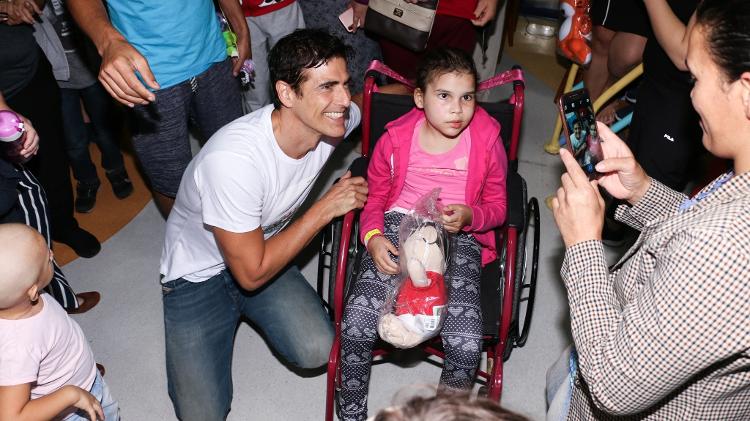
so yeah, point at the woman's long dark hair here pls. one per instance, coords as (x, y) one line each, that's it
(726, 24)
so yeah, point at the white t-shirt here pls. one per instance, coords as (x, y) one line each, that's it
(239, 181)
(47, 349)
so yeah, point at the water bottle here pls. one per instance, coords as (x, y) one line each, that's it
(12, 136)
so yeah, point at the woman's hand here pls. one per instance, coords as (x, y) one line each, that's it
(358, 21)
(457, 216)
(22, 11)
(31, 144)
(378, 247)
(578, 207)
(622, 176)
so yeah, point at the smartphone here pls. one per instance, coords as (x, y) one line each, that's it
(581, 134)
(347, 19)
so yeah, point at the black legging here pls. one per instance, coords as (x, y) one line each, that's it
(39, 101)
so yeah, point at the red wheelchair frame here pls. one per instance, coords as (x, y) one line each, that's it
(509, 333)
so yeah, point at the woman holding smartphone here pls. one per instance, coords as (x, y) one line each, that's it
(665, 332)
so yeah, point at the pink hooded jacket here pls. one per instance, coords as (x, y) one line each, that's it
(485, 186)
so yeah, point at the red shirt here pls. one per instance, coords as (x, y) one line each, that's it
(262, 7)
(459, 8)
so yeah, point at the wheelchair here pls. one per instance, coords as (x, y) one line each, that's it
(508, 284)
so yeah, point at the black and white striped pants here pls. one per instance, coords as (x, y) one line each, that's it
(33, 203)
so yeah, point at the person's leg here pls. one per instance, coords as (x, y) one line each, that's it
(216, 98)
(559, 386)
(76, 138)
(596, 77)
(199, 324)
(265, 32)
(160, 139)
(99, 107)
(625, 52)
(462, 331)
(51, 165)
(292, 318)
(359, 328)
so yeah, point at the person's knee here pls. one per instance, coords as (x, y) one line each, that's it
(626, 52)
(313, 352)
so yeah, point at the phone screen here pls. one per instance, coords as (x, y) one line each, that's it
(580, 129)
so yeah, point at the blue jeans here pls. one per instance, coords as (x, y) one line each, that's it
(200, 320)
(560, 380)
(160, 129)
(98, 105)
(100, 390)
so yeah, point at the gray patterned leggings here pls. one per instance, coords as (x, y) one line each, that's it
(461, 334)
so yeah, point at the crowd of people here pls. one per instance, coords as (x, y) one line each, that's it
(659, 335)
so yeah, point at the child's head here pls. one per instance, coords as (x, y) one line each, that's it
(25, 264)
(446, 88)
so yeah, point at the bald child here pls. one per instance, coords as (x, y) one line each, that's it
(47, 369)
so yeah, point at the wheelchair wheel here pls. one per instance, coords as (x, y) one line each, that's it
(525, 279)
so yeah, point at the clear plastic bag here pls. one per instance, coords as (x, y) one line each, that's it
(416, 311)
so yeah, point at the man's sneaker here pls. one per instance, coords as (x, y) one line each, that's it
(121, 185)
(86, 196)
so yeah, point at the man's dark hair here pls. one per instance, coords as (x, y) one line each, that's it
(448, 407)
(726, 25)
(300, 50)
(442, 61)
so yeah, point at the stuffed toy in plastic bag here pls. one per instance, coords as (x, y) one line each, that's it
(575, 31)
(417, 311)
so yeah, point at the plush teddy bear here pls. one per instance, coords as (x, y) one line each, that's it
(420, 304)
(575, 31)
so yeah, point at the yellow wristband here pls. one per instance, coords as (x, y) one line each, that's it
(371, 234)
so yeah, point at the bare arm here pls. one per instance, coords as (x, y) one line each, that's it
(236, 18)
(16, 405)
(120, 61)
(254, 261)
(670, 32)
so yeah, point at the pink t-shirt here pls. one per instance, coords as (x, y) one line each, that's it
(426, 171)
(47, 349)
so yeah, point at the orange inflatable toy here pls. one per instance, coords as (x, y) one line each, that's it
(574, 37)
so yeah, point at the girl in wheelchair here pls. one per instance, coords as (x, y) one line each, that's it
(445, 141)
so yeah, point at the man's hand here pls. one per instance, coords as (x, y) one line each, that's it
(244, 51)
(484, 12)
(379, 247)
(347, 194)
(578, 207)
(457, 216)
(622, 176)
(22, 11)
(86, 402)
(120, 62)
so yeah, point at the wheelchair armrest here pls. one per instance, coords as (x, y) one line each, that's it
(516, 188)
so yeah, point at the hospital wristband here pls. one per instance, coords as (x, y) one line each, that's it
(372, 233)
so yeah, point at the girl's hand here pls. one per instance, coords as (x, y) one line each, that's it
(578, 207)
(379, 247)
(22, 11)
(88, 404)
(455, 217)
(623, 177)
